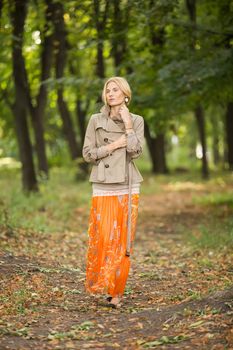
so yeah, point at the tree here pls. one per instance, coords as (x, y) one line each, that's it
(60, 63)
(198, 111)
(18, 16)
(37, 111)
(229, 134)
(119, 42)
(157, 144)
(100, 19)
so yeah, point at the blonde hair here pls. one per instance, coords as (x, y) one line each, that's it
(123, 85)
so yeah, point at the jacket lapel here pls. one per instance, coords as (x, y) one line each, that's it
(107, 123)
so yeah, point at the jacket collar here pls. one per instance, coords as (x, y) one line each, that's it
(108, 124)
(105, 110)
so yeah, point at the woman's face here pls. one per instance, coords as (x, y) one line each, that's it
(114, 94)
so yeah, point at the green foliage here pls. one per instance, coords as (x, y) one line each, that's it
(167, 74)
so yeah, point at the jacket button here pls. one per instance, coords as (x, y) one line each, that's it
(106, 165)
(105, 139)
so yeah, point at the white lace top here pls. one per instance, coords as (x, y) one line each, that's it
(99, 189)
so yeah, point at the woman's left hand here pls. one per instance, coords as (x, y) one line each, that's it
(125, 115)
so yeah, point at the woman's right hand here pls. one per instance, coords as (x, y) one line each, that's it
(121, 142)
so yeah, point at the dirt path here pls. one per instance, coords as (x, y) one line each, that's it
(176, 297)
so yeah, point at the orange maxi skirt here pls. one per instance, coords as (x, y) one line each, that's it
(107, 266)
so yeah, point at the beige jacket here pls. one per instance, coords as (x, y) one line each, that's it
(113, 167)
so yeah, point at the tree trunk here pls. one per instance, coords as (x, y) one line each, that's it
(80, 118)
(20, 109)
(38, 127)
(215, 147)
(229, 134)
(156, 147)
(116, 40)
(157, 38)
(199, 114)
(81, 114)
(100, 61)
(217, 157)
(37, 113)
(121, 15)
(150, 143)
(1, 6)
(160, 159)
(100, 23)
(67, 125)
(60, 58)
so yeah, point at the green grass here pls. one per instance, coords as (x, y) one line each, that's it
(216, 199)
(216, 235)
(48, 210)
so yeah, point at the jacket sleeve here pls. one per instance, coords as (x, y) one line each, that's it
(91, 153)
(135, 139)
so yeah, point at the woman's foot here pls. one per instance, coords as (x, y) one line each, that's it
(114, 302)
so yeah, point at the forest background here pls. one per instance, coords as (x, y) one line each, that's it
(176, 55)
(54, 59)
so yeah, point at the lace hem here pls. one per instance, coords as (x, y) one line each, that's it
(119, 192)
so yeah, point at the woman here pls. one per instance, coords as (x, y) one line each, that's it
(113, 138)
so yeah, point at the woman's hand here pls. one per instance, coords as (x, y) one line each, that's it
(126, 117)
(119, 143)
